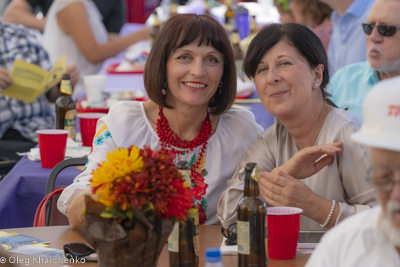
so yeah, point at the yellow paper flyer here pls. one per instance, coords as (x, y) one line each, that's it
(30, 80)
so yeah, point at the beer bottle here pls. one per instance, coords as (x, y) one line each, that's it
(183, 242)
(65, 109)
(156, 28)
(251, 215)
(173, 8)
(237, 53)
(253, 24)
(207, 7)
(229, 16)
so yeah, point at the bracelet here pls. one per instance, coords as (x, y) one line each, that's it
(330, 214)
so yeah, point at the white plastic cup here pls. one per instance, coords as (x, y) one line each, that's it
(94, 87)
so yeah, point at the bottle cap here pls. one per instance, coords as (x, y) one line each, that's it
(213, 255)
(65, 76)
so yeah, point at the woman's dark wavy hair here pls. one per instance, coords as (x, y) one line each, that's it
(300, 37)
(181, 30)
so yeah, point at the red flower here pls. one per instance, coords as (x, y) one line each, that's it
(202, 215)
(200, 187)
(159, 184)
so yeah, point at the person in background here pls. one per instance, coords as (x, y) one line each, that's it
(351, 84)
(23, 12)
(316, 15)
(347, 44)
(191, 82)
(74, 27)
(372, 238)
(284, 11)
(290, 69)
(19, 120)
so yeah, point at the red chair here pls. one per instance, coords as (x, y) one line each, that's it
(47, 213)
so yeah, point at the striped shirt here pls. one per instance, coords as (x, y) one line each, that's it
(18, 42)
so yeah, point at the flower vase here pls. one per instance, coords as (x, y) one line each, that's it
(118, 247)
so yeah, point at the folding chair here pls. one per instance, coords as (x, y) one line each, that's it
(47, 213)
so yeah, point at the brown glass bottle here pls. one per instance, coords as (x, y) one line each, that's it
(253, 24)
(65, 109)
(237, 53)
(251, 215)
(183, 242)
(229, 16)
(155, 30)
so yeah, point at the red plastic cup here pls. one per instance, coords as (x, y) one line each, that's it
(283, 232)
(52, 146)
(87, 124)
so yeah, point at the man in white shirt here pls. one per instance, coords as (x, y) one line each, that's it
(372, 237)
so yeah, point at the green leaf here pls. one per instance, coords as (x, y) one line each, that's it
(192, 161)
(203, 202)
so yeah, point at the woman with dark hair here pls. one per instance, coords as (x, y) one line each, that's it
(307, 156)
(316, 15)
(190, 78)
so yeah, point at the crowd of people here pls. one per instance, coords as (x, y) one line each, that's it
(315, 72)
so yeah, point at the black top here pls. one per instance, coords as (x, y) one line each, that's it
(113, 11)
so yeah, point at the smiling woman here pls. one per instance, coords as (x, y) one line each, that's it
(191, 81)
(308, 158)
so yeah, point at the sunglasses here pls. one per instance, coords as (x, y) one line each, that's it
(383, 30)
(77, 250)
(230, 234)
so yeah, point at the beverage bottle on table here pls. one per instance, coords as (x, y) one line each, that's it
(251, 215)
(213, 258)
(156, 27)
(229, 16)
(183, 242)
(237, 53)
(65, 109)
(253, 24)
(207, 8)
(173, 8)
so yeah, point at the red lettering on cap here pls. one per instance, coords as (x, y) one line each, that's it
(394, 111)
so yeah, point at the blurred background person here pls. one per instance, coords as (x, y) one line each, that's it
(191, 82)
(19, 120)
(316, 15)
(347, 44)
(284, 11)
(25, 12)
(372, 238)
(74, 27)
(351, 84)
(290, 69)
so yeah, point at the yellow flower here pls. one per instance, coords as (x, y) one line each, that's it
(119, 163)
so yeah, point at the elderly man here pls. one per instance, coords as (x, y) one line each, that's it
(372, 238)
(347, 43)
(350, 85)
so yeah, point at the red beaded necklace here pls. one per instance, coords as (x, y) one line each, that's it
(168, 138)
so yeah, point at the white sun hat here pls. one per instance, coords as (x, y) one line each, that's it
(381, 116)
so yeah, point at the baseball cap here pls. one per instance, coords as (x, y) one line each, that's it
(381, 116)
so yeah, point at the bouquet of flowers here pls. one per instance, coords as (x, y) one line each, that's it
(140, 193)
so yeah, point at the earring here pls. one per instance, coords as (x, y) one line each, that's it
(316, 84)
(220, 86)
(163, 91)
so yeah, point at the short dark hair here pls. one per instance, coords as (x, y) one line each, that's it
(307, 43)
(181, 30)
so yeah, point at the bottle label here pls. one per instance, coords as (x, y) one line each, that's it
(196, 241)
(243, 237)
(70, 123)
(173, 239)
(65, 87)
(186, 178)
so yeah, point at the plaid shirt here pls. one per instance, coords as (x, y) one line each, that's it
(18, 42)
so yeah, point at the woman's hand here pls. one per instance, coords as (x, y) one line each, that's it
(282, 189)
(76, 208)
(5, 79)
(303, 164)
